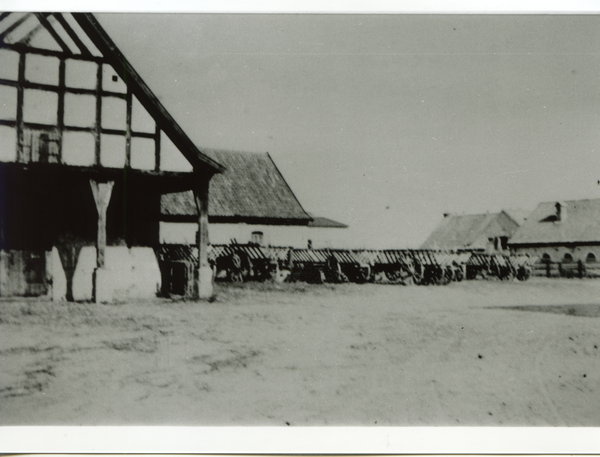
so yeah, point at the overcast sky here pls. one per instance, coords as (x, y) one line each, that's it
(385, 122)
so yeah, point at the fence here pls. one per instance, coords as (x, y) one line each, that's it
(577, 269)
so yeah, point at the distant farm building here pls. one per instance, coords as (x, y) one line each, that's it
(250, 202)
(479, 232)
(86, 151)
(564, 235)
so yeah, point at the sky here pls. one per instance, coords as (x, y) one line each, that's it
(385, 122)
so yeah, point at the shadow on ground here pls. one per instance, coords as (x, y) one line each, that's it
(579, 310)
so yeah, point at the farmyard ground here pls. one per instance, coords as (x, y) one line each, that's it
(475, 353)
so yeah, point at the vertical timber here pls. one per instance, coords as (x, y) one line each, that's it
(102, 192)
(97, 126)
(156, 148)
(20, 102)
(205, 274)
(61, 105)
(129, 101)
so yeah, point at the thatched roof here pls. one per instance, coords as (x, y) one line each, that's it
(580, 225)
(251, 189)
(324, 222)
(470, 231)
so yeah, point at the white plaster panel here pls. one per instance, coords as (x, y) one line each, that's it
(59, 278)
(9, 64)
(83, 275)
(43, 40)
(80, 110)
(178, 232)
(142, 153)
(8, 144)
(78, 148)
(40, 106)
(114, 113)
(81, 74)
(129, 272)
(41, 69)
(8, 103)
(141, 121)
(111, 81)
(112, 151)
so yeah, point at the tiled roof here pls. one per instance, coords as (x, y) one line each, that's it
(581, 224)
(469, 231)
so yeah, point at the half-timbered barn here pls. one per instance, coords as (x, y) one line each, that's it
(479, 232)
(86, 151)
(564, 236)
(250, 202)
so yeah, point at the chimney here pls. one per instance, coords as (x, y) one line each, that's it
(561, 211)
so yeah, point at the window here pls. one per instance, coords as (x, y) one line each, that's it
(257, 238)
(568, 257)
(591, 258)
(546, 257)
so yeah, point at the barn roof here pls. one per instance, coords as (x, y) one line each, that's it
(251, 188)
(469, 231)
(323, 222)
(581, 224)
(80, 36)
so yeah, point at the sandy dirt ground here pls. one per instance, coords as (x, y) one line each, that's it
(472, 353)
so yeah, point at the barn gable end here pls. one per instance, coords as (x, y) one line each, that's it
(86, 151)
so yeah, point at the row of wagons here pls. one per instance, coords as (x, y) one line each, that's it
(248, 262)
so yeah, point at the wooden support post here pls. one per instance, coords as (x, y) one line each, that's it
(102, 192)
(205, 274)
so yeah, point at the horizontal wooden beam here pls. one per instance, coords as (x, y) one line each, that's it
(150, 136)
(70, 90)
(74, 128)
(8, 82)
(23, 48)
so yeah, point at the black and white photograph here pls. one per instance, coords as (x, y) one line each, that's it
(283, 220)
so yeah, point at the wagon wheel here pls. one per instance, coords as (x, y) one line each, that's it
(447, 275)
(458, 274)
(438, 276)
(363, 274)
(416, 273)
(409, 279)
(524, 273)
(333, 271)
(393, 275)
(508, 274)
